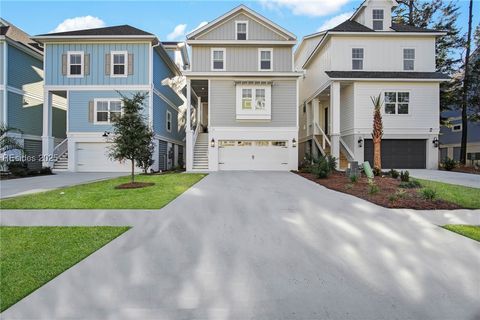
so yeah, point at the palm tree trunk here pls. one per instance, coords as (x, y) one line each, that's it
(132, 178)
(377, 153)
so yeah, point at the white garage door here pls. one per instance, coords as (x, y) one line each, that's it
(252, 155)
(92, 157)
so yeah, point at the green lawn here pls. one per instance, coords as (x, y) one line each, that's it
(32, 256)
(472, 232)
(103, 195)
(464, 196)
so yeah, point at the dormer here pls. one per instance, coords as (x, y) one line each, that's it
(375, 14)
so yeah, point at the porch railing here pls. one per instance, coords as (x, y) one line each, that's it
(325, 140)
(349, 152)
(61, 148)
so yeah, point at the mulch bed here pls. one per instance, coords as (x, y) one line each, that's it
(135, 185)
(387, 186)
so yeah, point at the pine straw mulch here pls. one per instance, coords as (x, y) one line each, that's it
(388, 186)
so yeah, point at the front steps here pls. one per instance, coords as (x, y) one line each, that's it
(200, 153)
(62, 163)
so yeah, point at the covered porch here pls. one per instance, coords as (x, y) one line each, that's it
(197, 123)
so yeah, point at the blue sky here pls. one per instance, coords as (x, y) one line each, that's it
(164, 17)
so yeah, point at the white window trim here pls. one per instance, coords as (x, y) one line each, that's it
(224, 58)
(168, 113)
(351, 57)
(125, 74)
(457, 130)
(236, 29)
(95, 110)
(383, 20)
(82, 59)
(254, 114)
(403, 58)
(396, 114)
(260, 59)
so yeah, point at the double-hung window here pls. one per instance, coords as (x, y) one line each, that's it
(241, 30)
(357, 58)
(119, 61)
(106, 111)
(397, 102)
(408, 59)
(168, 123)
(75, 63)
(253, 102)
(265, 59)
(377, 18)
(218, 59)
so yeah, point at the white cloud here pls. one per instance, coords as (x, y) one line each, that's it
(79, 23)
(178, 32)
(203, 23)
(335, 21)
(311, 8)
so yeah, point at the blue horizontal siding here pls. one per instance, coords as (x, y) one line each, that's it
(53, 64)
(449, 137)
(160, 108)
(24, 71)
(2, 43)
(78, 102)
(160, 72)
(28, 119)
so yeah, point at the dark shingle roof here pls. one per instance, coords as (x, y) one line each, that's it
(407, 28)
(351, 26)
(386, 75)
(19, 36)
(123, 30)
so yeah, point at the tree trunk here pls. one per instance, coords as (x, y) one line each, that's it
(377, 153)
(132, 178)
(410, 13)
(466, 85)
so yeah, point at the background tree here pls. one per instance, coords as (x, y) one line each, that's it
(377, 133)
(132, 137)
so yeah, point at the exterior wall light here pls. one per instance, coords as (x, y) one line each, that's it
(212, 143)
(435, 142)
(294, 143)
(105, 134)
(360, 142)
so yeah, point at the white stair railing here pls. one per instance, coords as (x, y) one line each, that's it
(325, 140)
(350, 154)
(60, 149)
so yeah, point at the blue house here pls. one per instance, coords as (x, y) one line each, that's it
(21, 94)
(93, 68)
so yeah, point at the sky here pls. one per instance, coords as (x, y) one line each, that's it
(171, 20)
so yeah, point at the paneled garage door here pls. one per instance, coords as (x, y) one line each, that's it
(252, 155)
(92, 157)
(399, 153)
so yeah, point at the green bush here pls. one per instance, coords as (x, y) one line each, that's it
(372, 187)
(377, 172)
(353, 178)
(413, 184)
(46, 170)
(405, 176)
(399, 194)
(449, 164)
(18, 168)
(429, 194)
(394, 173)
(323, 166)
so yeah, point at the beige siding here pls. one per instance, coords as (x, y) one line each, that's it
(304, 51)
(223, 105)
(315, 76)
(226, 31)
(241, 58)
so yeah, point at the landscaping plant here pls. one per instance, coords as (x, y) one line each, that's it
(394, 173)
(372, 187)
(323, 166)
(405, 176)
(353, 178)
(413, 184)
(449, 164)
(429, 194)
(377, 133)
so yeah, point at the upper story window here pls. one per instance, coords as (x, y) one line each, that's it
(408, 59)
(106, 111)
(357, 58)
(457, 127)
(377, 16)
(119, 63)
(241, 30)
(75, 63)
(265, 59)
(168, 123)
(218, 59)
(253, 102)
(397, 102)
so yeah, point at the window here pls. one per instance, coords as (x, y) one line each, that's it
(241, 29)
(218, 59)
(168, 124)
(357, 58)
(253, 102)
(408, 59)
(119, 63)
(397, 102)
(75, 63)
(457, 127)
(265, 59)
(377, 16)
(106, 111)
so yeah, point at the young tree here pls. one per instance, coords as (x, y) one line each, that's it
(377, 133)
(132, 137)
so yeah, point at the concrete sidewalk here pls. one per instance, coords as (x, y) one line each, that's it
(463, 179)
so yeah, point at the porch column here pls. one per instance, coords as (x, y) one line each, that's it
(315, 114)
(47, 139)
(188, 128)
(334, 120)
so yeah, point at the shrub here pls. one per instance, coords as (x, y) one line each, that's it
(372, 187)
(323, 166)
(405, 176)
(413, 184)
(377, 172)
(394, 173)
(353, 178)
(399, 194)
(18, 168)
(46, 170)
(429, 194)
(332, 163)
(449, 164)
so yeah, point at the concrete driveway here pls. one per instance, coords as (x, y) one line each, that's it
(16, 187)
(269, 245)
(463, 179)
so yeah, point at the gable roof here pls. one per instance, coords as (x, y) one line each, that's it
(249, 11)
(351, 26)
(122, 30)
(364, 4)
(407, 28)
(19, 37)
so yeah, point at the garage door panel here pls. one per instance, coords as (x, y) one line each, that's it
(399, 153)
(93, 157)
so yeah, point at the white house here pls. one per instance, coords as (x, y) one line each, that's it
(363, 57)
(242, 113)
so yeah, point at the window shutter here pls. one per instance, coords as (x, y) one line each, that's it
(107, 64)
(130, 63)
(91, 111)
(86, 64)
(64, 64)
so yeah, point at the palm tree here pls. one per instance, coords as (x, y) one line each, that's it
(377, 133)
